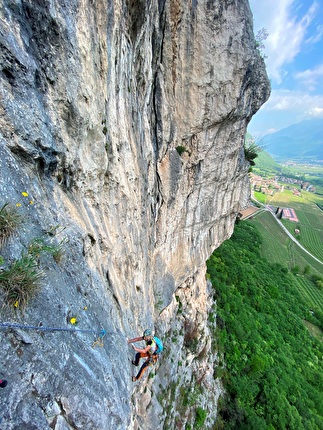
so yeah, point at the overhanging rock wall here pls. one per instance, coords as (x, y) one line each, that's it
(124, 121)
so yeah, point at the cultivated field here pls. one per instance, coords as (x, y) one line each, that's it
(311, 294)
(310, 218)
(277, 247)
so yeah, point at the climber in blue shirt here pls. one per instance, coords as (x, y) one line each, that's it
(150, 352)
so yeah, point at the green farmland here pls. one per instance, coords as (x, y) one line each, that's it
(310, 218)
(266, 166)
(311, 294)
(306, 172)
(277, 247)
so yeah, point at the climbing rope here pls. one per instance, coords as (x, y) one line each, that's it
(98, 342)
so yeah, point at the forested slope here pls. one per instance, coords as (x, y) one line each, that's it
(270, 365)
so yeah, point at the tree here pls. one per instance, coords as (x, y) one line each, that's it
(261, 35)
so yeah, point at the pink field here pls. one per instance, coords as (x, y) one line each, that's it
(290, 214)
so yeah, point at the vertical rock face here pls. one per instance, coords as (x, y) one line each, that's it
(124, 121)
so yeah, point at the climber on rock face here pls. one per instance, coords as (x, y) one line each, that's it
(153, 347)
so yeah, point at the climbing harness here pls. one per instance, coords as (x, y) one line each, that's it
(98, 342)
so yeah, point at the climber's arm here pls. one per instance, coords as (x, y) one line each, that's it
(135, 339)
(142, 350)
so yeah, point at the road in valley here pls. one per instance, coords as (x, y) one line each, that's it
(292, 237)
(267, 208)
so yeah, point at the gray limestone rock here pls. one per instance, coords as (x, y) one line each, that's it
(124, 121)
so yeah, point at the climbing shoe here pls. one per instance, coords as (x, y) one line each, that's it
(134, 379)
(134, 363)
(3, 383)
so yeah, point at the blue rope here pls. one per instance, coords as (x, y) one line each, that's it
(33, 327)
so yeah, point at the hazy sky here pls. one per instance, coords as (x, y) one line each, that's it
(294, 50)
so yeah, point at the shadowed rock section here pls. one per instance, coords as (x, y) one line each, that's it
(124, 121)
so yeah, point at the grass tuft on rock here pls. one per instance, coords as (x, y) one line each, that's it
(10, 220)
(20, 281)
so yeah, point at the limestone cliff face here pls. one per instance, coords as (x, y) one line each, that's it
(124, 121)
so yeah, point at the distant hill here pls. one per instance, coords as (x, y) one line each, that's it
(265, 164)
(302, 142)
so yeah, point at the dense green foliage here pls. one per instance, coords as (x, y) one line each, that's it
(270, 364)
